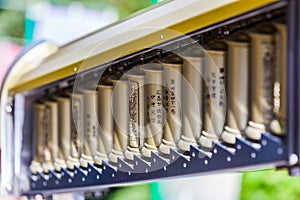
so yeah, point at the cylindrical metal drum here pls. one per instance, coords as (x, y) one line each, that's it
(237, 86)
(155, 109)
(64, 136)
(136, 94)
(39, 137)
(215, 94)
(51, 134)
(262, 79)
(172, 101)
(192, 89)
(120, 115)
(91, 126)
(278, 125)
(105, 138)
(77, 129)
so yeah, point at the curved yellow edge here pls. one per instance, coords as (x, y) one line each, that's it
(200, 21)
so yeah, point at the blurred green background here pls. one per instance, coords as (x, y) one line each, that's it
(260, 185)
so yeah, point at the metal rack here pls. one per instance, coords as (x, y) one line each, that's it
(271, 150)
(241, 155)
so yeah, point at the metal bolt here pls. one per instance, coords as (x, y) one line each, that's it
(293, 159)
(8, 108)
(161, 37)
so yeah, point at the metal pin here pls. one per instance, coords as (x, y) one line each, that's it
(215, 99)
(91, 126)
(105, 138)
(262, 76)
(237, 86)
(51, 151)
(39, 143)
(121, 118)
(136, 112)
(193, 67)
(64, 119)
(77, 130)
(155, 110)
(278, 125)
(173, 102)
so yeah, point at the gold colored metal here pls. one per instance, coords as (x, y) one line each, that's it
(278, 125)
(215, 94)
(201, 20)
(262, 79)
(51, 151)
(120, 115)
(91, 126)
(155, 109)
(39, 143)
(237, 86)
(137, 115)
(173, 102)
(77, 130)
(193, 71)
(105, 138)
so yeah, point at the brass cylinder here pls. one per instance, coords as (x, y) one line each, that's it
(193, 71)
(155, 111)
(172, 101)
(215, 94)
(39, 143)
(120, 115)
(51, 134)
(237, 86)
(136, 94)
(77, 130)
(262, 76)
(278, 125)
(91, 126)
(64, 137)
(105, 138)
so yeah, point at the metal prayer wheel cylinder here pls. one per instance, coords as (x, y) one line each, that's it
(51, 151)
(237, 86)
(120, 115)
(192, 83)
(77, 130)
(262, 76)
(154, 104)
(172, 101)
(278, 125)
(39, 143)
(105, 138)
(215, 94)
(137, 115)
(64, 121)
(91, 126)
